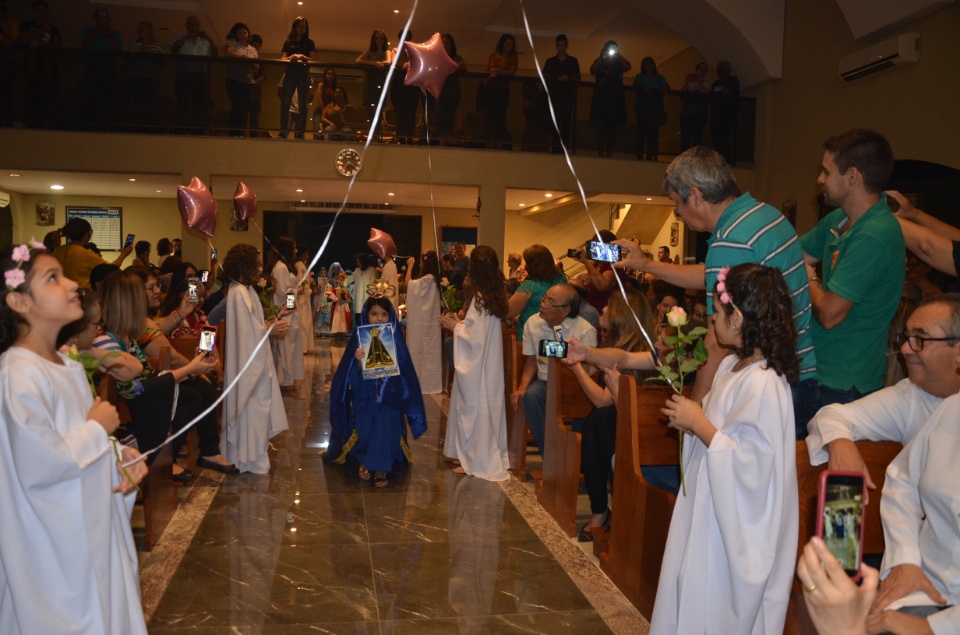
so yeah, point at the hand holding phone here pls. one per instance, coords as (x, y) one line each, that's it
(193, 285)
(603, 252)
(129, 240)
(291, 301)
(840, 517)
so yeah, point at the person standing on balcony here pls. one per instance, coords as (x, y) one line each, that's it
(191, 82)
(608, 107)
(562, 71)
(298, 50)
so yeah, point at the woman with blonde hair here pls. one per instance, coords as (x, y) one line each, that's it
(599, 433)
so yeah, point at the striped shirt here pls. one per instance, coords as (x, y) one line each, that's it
(750, 231)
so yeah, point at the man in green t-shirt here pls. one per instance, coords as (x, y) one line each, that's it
(861, 248)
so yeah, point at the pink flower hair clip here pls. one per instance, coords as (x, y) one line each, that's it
(725, 296)
(13, 278)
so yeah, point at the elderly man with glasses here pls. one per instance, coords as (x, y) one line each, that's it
(559, 312)
(914, 510)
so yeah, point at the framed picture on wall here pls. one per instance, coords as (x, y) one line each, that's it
(238, 225)
(46, 213)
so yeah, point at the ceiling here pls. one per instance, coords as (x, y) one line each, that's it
(342, 29)
(140, 185)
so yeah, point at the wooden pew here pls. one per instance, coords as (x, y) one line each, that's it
(158, 494)
(516, 423)
(638, 533)
(561, 452)
(877, 456)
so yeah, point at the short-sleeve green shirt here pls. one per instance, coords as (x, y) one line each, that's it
(865, 265)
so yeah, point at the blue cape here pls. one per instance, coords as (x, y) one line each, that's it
(400, 392)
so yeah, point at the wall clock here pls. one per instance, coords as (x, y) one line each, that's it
(348, 162)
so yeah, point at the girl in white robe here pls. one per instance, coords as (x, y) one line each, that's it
(253, 411)
(305, 303)
(289, 349)
(477, 422)
(728, 564)
(424, 336)
(69, 564)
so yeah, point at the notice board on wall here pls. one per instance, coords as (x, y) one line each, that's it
(107, 223)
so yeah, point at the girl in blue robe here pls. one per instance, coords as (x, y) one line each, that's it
(367, 415)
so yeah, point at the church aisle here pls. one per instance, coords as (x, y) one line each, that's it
(310, 548)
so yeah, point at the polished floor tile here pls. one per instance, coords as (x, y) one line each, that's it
(312, 548)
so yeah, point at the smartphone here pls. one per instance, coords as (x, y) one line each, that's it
(840, 517)
(553, 348)
(291, 300)
(574, 253)
(208, 339)
(192, 289)
(213, 254)
(603, 252)
(204, 275)
(129, 240)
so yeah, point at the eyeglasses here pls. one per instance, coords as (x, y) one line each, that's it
(700, 315)
(152, 287)
(545, 301)
(917, 342)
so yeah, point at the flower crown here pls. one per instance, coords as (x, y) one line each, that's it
(381, 289)
(21, 254)
(725, 296)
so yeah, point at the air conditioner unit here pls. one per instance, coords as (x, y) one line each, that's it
(882, 56)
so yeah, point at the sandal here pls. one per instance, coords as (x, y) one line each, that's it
(585, 535)
(380, 479)
(364, 474)
(459, 471)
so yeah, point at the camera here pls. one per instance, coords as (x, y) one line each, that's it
(574, 253)
(611, 51)
(553, 348)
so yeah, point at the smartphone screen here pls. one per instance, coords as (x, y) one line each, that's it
(553, 348)
(840, 517)
(291, 300)
(213, 254)
(192, 285)
(208, 338)
(204, 275)
(603, 252)
(129, 240)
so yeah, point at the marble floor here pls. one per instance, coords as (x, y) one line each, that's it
(310, 548)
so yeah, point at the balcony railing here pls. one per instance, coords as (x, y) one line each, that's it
(172, 94)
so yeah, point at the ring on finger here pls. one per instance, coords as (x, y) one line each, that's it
(811, 588)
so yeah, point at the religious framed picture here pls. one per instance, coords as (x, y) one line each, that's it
(379, 351)
(46, 213)
(238, 225)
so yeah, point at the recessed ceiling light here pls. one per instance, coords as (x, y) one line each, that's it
(523, 204)
(132, 180)
(390, 194)
(300, 2)
(303, 200)
(14, 174)
(56, 187)
(396, 10)
(548, 195)
(299, 189)
(158, 191)
(649, 198)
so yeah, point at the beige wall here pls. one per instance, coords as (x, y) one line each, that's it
(915, 106)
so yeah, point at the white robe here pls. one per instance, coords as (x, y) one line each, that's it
(424, 335)
(477, 422)
(305, 309)
(732, 547)
(290, 348)
(389, 274)
(253, 411)
(69, 564)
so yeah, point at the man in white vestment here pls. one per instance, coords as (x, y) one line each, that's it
(559, 308)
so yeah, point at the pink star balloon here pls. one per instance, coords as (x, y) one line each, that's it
(244, 202)
(198, 207)
(429, 65)
(382, 244)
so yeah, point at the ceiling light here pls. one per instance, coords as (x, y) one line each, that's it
(158, 191)
(548, 195)
(299, 189)
(14, 174)
(523, 204)
(300, 2)
(56, 187)
(303, 200)
(390, 194)
(132, 180)
(294, 528)
(396, 10)
(649, 198)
